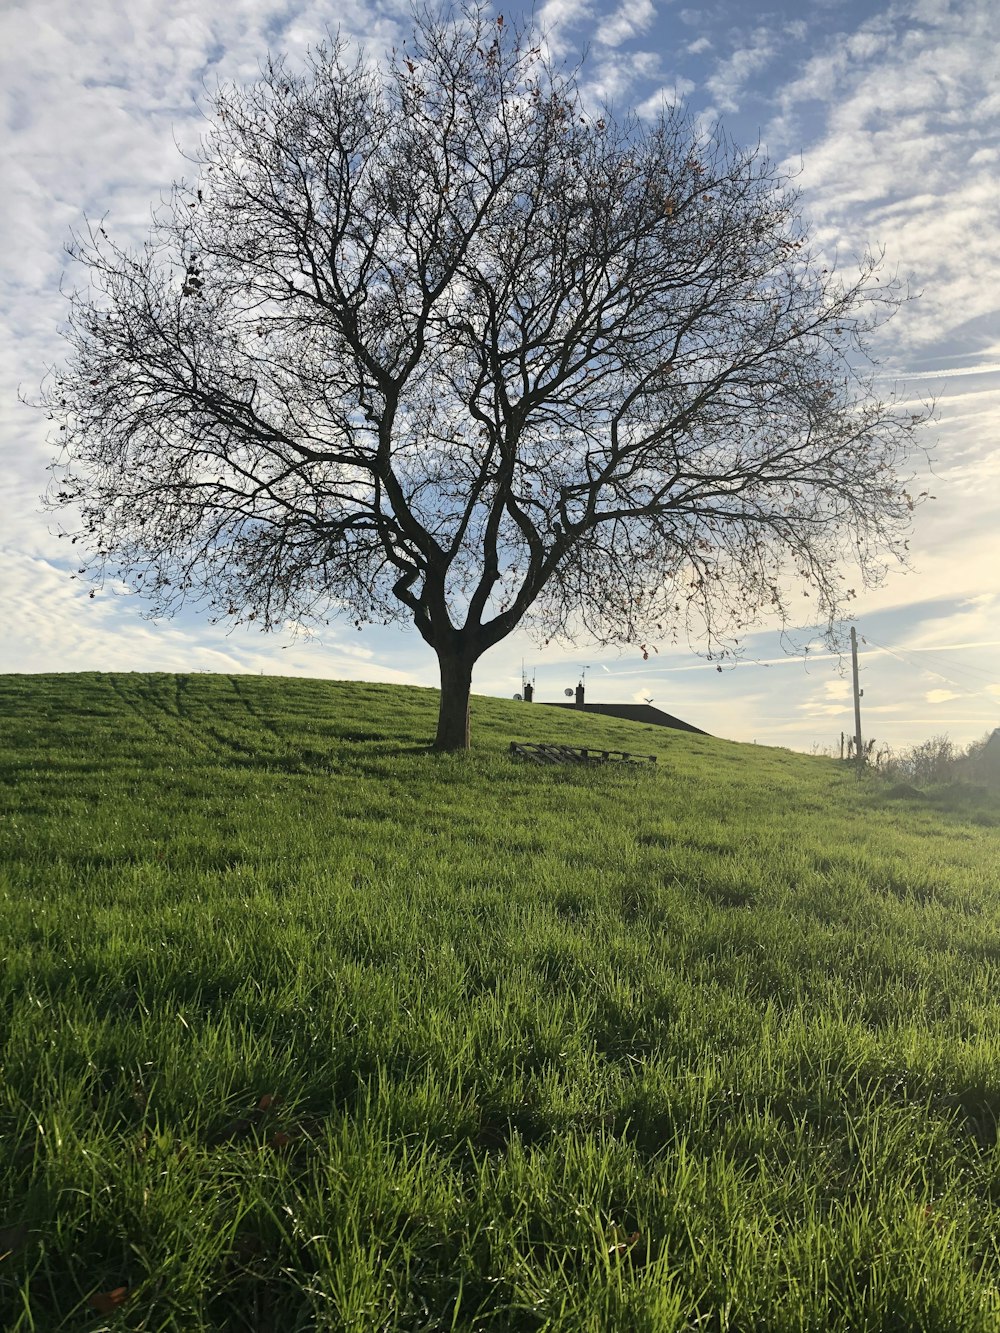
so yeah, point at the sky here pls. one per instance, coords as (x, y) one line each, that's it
(887, 114)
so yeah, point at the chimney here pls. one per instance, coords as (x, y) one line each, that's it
(579, 695)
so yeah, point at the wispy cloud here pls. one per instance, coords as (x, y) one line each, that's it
(952, 372)
(630, 18)
(665, 96)
(557, 19)
(912, 119)
(731, 75)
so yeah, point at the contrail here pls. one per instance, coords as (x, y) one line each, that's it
(991, 368)
(875, 650)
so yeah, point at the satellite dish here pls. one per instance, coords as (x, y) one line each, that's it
(568, 693)
(517, 697)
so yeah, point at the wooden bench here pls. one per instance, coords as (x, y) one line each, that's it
(541, 753)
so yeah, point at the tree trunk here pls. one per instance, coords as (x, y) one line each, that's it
(453, 715)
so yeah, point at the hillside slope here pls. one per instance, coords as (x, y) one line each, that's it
(308, 1028)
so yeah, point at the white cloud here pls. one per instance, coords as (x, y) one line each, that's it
(907, 154)
(644, 695)
(666, 96)
(557, 17)
(730, 76)
(611, 78)
(630, 18)
(59, 627)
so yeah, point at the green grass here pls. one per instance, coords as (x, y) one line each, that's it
(713, 1047)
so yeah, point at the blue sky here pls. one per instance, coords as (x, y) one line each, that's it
(889, 114)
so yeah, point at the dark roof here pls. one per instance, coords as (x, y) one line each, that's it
(634, 713)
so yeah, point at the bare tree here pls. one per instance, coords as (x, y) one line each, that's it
(436, 342)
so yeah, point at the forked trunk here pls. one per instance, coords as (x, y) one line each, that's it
(453, 715)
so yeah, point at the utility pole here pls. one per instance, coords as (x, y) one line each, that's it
(858, 751)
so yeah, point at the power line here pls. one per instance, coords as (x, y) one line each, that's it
(904, 657)
(977, 673)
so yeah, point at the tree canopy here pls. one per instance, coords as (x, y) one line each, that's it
(435, 340)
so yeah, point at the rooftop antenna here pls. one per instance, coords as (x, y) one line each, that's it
(527, 686)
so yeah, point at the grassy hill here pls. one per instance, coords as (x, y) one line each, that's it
(305, 1028)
